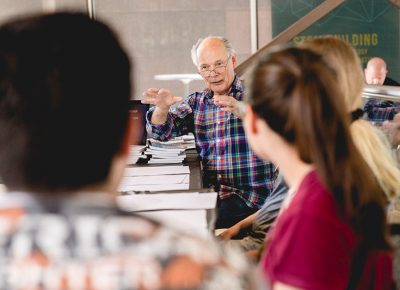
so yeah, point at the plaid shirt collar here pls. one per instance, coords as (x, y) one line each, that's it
(235, 90)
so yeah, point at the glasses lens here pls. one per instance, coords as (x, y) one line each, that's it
(220, 70)
(204, 73)
(216, 71)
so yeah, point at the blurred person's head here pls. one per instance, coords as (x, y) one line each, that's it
(375, 71)
(64, 91)
(294, 91)
(344, 59)
(370, 141)
(294, 102)
(215, 60)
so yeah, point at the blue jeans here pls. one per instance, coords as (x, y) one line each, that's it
(232, 210)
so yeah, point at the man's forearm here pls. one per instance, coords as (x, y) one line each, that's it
(159, 116)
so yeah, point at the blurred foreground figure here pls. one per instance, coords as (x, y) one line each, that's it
(331, 231)
(64, 140)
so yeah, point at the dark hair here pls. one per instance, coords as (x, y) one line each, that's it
(64, 92)
(295, 91)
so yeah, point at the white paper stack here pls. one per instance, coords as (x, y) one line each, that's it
(156, 178)
(186, 212)
(168, 201)
(181, 142)
(170, 152)
(136, 153)
(156, 170)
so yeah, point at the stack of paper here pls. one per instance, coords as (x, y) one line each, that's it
(171, 144)
(168, 201)
(161, 152)
(156, 170)
(189, 141)
(181, 142)
(184, 211)
(136, 153)
(165, 155)
(193, 222)
(157, 178)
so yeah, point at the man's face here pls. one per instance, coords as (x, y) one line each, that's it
(375, 74)
(215, 66)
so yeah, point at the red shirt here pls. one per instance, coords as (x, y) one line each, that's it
(311, 244)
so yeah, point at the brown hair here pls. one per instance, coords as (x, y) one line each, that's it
(344, 59)
(369, 140)
(295, 92)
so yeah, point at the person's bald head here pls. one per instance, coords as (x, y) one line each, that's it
(376, 71)
(215, 60)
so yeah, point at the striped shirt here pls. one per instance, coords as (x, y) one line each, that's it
(265, 217)
(221, 142)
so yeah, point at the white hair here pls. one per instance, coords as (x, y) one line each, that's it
(227, 44)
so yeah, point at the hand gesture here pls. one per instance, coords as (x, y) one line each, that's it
(229, 104)
(161, 98)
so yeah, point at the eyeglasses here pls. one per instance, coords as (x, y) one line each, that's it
(219, 68)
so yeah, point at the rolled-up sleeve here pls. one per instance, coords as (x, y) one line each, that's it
(160, 132)
(179, 122)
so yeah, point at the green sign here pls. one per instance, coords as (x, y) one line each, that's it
(370, 26)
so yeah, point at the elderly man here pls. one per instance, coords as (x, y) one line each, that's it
(376, 74)
(242, 180)
(65, 137)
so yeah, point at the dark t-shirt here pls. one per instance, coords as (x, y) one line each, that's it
(390, 82)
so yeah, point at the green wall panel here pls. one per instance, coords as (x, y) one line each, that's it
(370, 26)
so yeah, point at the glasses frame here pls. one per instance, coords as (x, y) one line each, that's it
(207, 72)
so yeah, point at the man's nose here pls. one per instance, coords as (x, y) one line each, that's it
(213, 72)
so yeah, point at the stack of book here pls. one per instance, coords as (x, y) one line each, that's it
(164, 155)
(136, 154)
(159, 152)
(181, 142)
(186, 211)
(155, 178)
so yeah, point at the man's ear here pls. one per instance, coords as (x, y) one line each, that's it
(234, 60)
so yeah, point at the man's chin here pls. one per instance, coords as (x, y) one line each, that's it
(218, 89)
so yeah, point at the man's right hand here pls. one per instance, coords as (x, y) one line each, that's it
(162, 99)
(229, 233)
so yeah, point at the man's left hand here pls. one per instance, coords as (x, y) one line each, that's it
(229, 104)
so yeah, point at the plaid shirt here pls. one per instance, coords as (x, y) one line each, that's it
(379, 111)
(222, 144)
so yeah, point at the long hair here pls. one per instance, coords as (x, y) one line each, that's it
(295, 92)
(369, 140)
